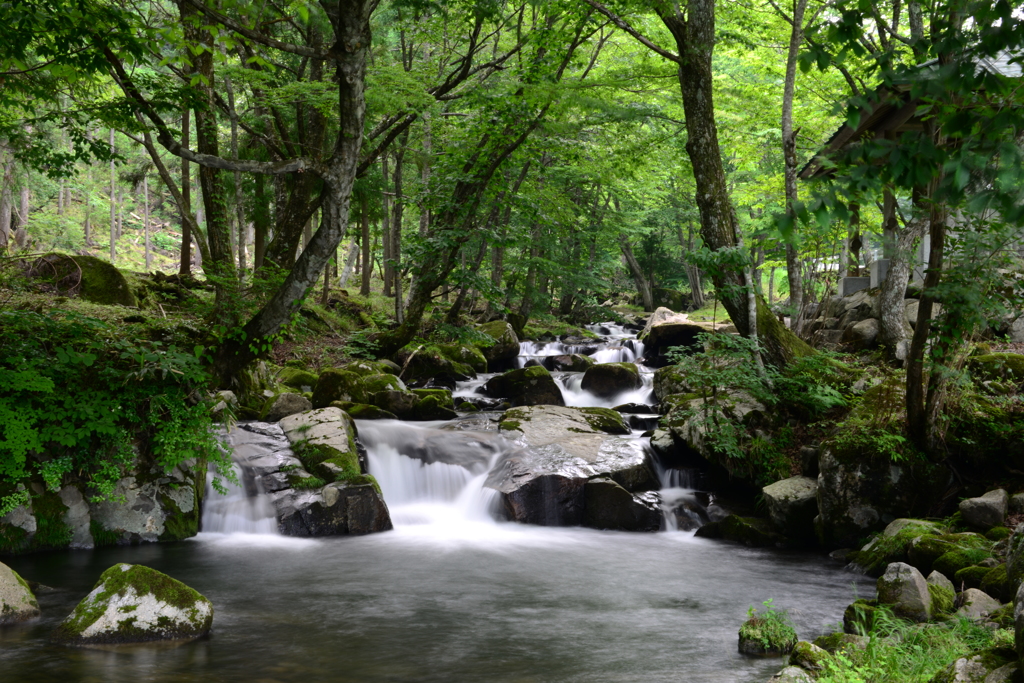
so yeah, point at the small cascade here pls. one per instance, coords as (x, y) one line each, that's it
(684, 507)
(244, 508)
(432, 475)
(574, 395)
(241, 509)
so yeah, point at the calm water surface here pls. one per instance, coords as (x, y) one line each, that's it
(463, 601)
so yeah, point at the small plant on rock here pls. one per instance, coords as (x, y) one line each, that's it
(767, 633)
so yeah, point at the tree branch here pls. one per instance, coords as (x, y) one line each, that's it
(258, 37)
(624, 25)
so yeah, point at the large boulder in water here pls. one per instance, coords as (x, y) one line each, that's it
(792, 506)
(133, 604)
(608, 379)
(506, 344)
(531, 386)
(608, 505)
(573, 362)
(666, 329)
(559, 451)
(349, 500)
(17, 603)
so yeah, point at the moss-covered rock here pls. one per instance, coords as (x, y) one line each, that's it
(297, 378)
(373, 383)
(887, 547)
(809, 656)
(838, 642)
(955, 560)
(942, 597)
(996, 583)
(608, 379)
(434, 407)
(998, 366)
(574, 362)
(17, 602)
(750, 531)
(767, 634)
(363, 411)
(90, 277)
(925, 551)
(428, 361)
(605, 420)
(365, 368)
(971, 577)
(338, 385)
(465, 355)
(859, 617)
(131, 604)
(506, 343)
(324, 442)
(670, 380)
(987, 666)
(526, 387)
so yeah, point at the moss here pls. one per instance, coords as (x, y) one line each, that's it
(371, 384)
(750, 531)
(887, 549)
(509, 425)
(1003, 616)
(995, 366)
(303, 483)
(433, 407)
(118, 580)
(997, 583)
(970, 577)
(859, 617)
(178, 525)
(467, 407)
(605, 420)
(837, 642)
(12, 539)
(997, 533)
(101, 536)
(769, 633)
(952, 562)
(942, 599)
(51, 530)
(93, 278)
(925, 552)
(297, 378)
(362, 411)
(443, 396)
(365, 368)
(809, 656)
(464, 355)
(337, 385)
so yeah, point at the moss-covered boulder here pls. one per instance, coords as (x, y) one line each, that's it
(531, 386)
(465, 355)
(987, 511)
(943, 597)
(132, 604)
(987, 666)
(506, 343)
(574, 362)
(996, 583)
(670, 380)
(893, 545)
(433, 404)
(336, 384)
(859, 617)
(428, 361)
(767, 634)
(365, 368)
(17, 602)
(971, 577)
(964, 550)
(92, 278)
(904, 590)
(362, 411)
(605, 380)
(608, 505)
(324, 441)
(998, 366)
(750, 531)
(297, 378)
(839, 642)
(809, 657)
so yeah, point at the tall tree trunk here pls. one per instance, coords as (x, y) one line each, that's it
(367, 264)
(789, 156)
(239, 217)
(185, 263)
(396, 229)
(145, 218)
(695, 38)
(895, 330)
(261, 222)
(643, 287)
(113, 204)
(386, 228)
(6, 187)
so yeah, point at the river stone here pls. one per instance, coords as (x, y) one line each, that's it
(336, 384)
(287, 404)
(17, 603)
(526, 387)
(990, 666)
(975, 604)
(862, 335)
(987, 511)
(329, 428)
(340, 508)
(809, 656)
(609, 506)
(666, 329)
(792, 674)
(793, 505)
(575, 362)
(608, 379)
(506, 344)
(400, 403)
(297, 378)
(906, 591)
(559, 450)
(133, 604)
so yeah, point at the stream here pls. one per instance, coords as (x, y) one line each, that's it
(450, 594)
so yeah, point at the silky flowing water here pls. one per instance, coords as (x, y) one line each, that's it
(449, 595)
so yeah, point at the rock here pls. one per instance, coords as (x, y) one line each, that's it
(77, 517)
(428, 361)
(297, 378)
(560, 450)
(133, 604)
(792, 674)
(465, 355)
(984, 667)
(941, 580)
(575, 362)
(998, 366)
(1017, 502)
(859, 617)
(809, 656)
(609, 506)
(986, 511)
(669, 298)
(337, 384)
(862, 335)
(284, 405)
(1015, 557)
(793, 505)
(837, 642)
(750, 531)
(1016, 330)
(17, 602)
(525, 387)
(608, 379)
(506, 345)
(767, 634)
(223, 401)
(905, 590)
(912, 309)
(91, 278)
(668, 381)
(400, 403)
(362, 411)
(976, 605)
(142, 509)
(666, 329)
(1018, 621)
(340, 508)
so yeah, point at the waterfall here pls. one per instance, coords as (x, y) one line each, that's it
(244, 508)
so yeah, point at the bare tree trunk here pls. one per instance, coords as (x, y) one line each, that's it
(239, 218)
(145, 217)
(895, 330)
(386, 228)
(643, 287)
(185, 265)
(789, 156)
(367, 264)
(261, 222)
(6, 187)
(350, 264)
(113, 204)
(396, 229)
